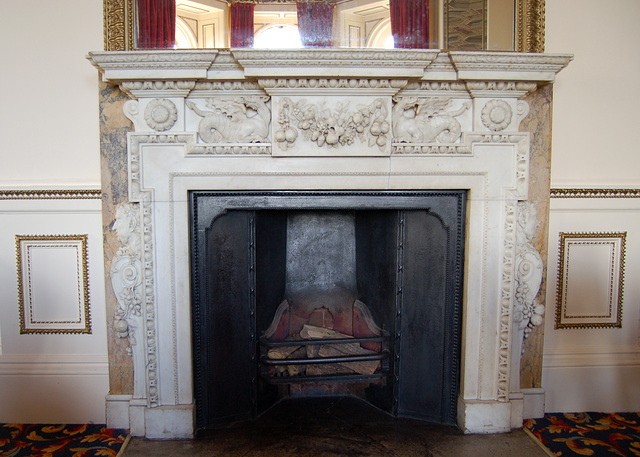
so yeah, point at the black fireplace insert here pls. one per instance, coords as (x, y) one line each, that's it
(308, 293)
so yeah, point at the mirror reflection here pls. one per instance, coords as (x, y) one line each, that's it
(468, 25)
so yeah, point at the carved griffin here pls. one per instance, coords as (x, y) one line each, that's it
(234, 120)
(426, 120)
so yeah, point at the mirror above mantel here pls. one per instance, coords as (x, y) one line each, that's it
(459, 25)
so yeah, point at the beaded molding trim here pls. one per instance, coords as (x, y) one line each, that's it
(62, 194)
(595, 193)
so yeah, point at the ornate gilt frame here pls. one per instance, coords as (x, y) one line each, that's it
(83, 326)
(617, 263)
(119, 25)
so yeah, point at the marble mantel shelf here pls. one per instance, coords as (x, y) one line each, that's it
(424, 64)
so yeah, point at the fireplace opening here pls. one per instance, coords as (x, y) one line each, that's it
(305, 294)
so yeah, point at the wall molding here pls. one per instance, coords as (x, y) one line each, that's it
(594, 193)
(53, 365)
(585, 357)
(55, 194)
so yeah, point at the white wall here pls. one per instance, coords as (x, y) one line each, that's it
(43, 46)
(593, 146)
(596, 98)
(49, 140)
(595, 116)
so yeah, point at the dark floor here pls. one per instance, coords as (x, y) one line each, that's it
(338, 427)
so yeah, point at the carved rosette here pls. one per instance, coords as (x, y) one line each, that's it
(496, 115)
(161, 114)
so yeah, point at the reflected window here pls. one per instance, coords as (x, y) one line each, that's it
(185, 38)
(380, 36)
(448, 24)
(278, 37)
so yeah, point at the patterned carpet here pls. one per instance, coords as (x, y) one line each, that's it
(84, 440)
(594, 434)
(565, 435)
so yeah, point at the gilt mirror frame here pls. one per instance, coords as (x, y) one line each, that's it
(119, 25)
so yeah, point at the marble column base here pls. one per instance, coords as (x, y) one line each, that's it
(480, 416)
(162, 422)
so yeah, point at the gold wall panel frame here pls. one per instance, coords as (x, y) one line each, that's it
(119, 25)
(616, 281)
(83, 325)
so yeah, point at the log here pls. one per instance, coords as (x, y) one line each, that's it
(282, 352)
(312, 332)
(295, 370)
(328, 369)
(335, 350)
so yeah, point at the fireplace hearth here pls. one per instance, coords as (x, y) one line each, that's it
(381, 268)
(346, 130)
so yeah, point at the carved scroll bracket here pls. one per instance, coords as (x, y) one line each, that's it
(528, 311)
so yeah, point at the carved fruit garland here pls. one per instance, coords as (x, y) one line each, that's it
(332, 128)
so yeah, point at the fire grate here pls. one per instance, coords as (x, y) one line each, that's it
(271, 376)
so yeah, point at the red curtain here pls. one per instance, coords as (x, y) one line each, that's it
(156, 23)
(410, 23)
(241, 24)
(315, 24)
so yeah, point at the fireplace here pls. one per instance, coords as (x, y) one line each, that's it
(346, 131)
(381, 269)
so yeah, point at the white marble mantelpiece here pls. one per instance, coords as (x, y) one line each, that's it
(379, 113)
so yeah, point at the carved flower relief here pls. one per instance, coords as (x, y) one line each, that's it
(339, 126)
(496, 115)
(161, 114)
